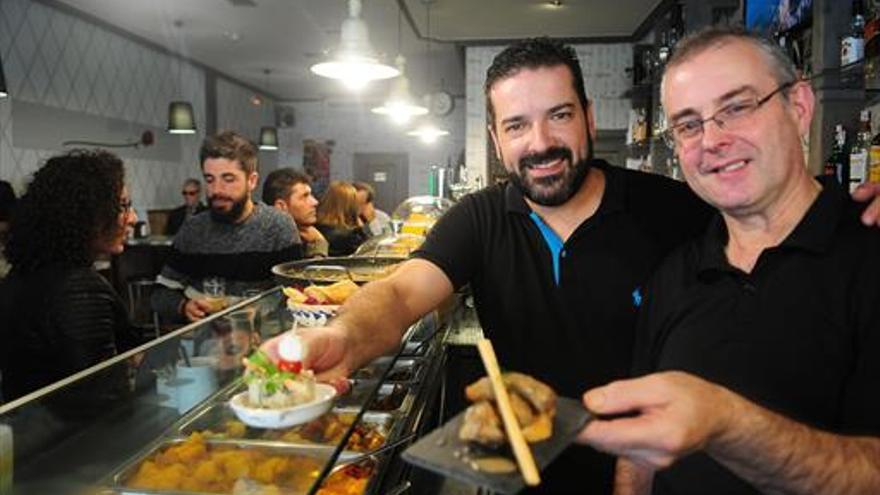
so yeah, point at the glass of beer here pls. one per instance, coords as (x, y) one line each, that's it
(214, 289)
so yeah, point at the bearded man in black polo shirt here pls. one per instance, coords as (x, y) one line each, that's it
(764, 334)
(554, 257)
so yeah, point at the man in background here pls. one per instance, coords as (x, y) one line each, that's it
(192, 204)
(376, 222)
(237, 239)
(291, 192)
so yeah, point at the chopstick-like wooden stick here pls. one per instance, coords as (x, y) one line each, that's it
(521, 450)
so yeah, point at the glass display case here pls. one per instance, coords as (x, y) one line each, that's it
(417, 214)
(156, 419)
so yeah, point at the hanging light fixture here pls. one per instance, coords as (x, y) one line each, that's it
(268, 134)
(355, 63)
(400, 106)
(428, 131)
(181, 119)
(3, 93)
(268, 138)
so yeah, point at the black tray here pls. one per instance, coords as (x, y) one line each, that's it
(436, 451)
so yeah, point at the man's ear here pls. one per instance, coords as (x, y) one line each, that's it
(495, 142)
(280, 204)
(591, 120)
(253, 180)
(802, 101)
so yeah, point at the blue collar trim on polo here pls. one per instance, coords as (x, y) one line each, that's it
(554, 243)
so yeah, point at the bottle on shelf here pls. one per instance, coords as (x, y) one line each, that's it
(837, 164)
(873, 173)
(859, 154)
(852, 47)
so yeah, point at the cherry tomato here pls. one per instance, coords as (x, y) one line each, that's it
(290, 366)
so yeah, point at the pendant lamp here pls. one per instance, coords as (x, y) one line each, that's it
(400, 106)
(268, 138)
(354, 61)
(3, 93)
(428, 131)
(268, 134)
(181, 119)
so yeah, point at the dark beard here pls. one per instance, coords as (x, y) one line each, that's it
(230, 216)
(561, 187)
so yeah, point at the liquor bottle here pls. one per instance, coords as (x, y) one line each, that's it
(837, 165)
(852, 47)
(859, 153)
(873, 174)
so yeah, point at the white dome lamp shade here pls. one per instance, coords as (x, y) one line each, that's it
(400, 106)
(428, 132)
(181, 119)
(354, 62)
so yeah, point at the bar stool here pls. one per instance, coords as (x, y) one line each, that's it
(140, 309)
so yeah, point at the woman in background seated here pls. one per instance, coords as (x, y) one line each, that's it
(338, 219)
(57, 314)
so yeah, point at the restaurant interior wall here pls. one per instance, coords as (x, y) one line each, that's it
(606, 80)
(354, 129)
(79, 72)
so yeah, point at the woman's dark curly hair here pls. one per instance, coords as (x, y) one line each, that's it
(72, 201)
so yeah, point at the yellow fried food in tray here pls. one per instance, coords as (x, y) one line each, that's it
(198, 466)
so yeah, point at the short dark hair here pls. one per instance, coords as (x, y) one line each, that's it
(363, 186)
(533, 53)
(279, 184)
(232, 146)
(72, 200)
(7, 201)
(193, 182)
(699, 41)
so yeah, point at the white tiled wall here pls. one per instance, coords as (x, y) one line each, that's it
(61, 61)
(605, 78)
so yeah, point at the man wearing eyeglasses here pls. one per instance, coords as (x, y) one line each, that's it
(554, 256)
(762, 337)
(192, 204)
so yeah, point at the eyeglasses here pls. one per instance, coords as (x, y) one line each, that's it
(189, 193)
(732, 116)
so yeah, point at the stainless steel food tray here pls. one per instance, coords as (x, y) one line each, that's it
(214, 418)
(404, 370)
(117, 480)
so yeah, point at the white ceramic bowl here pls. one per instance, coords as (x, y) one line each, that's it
(312, 315)
(259, 417)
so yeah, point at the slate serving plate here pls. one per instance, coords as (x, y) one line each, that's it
(437, 450)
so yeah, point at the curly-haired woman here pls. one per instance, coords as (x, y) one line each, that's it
(57, 314)
(339, 220)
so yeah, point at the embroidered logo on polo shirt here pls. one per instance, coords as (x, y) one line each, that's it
(637, 297)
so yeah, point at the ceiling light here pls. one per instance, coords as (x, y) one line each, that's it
(268, 138)
(181, 119)
(400, 106)
(428, 132)
(3, 93)
(354, 62)
(268, 134)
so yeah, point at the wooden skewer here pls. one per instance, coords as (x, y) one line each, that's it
(521, 449)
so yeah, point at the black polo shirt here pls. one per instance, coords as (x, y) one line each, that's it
(577, 332)
(799, 335)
